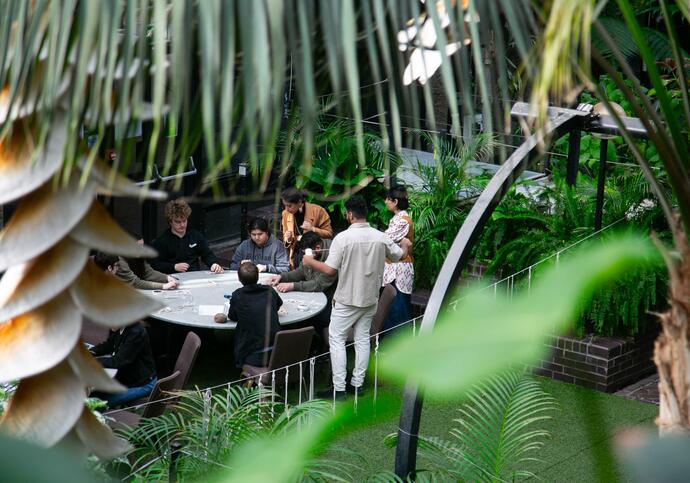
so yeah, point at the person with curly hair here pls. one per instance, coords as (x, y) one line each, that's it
(299, 218)
(180, 247)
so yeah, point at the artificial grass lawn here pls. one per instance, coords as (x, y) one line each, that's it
(568, 456)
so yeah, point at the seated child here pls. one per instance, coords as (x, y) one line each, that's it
(255, 309)
(128, 350)
(262, 248)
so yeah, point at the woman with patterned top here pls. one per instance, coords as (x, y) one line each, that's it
(400, 274)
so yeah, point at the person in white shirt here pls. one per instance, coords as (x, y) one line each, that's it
(357, 256)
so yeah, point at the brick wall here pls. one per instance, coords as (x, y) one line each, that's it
(602, 363)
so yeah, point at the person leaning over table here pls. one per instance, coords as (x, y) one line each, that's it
(357, 255)
(299, 218)
(262, 249)
(306, 279)
(180, 247)
(138, 273)
(128, 350)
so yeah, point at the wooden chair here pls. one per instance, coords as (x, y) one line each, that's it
(290, 347)
(186, 358)
(155, 405)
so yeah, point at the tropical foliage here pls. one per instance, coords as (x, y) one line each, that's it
(497, 433)
(440, 205)
(203, 431)
(331, 174)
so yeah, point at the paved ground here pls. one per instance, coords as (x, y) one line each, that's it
(646, 390)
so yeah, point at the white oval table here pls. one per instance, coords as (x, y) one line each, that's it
(200, 295)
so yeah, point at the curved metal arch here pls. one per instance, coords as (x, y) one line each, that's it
(410, 413)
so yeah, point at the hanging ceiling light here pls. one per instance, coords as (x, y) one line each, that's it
(420, 36)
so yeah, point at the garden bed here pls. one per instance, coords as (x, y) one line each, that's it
(602, 363)
(606, 364)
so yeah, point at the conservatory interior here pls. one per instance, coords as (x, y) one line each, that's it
(427, 240)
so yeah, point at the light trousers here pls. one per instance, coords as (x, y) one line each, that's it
(342, 318)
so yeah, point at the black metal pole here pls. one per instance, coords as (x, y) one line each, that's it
(573, 157)
(601, 182)
(175, 448)
(505, 177)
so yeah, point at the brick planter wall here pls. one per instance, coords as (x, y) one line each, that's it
(602, 363)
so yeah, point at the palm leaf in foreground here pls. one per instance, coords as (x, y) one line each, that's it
(497, 429)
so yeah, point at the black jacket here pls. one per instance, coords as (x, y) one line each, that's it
(172, 249)
(130, 353)
(255, 309)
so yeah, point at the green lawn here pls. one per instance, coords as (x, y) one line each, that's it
(568, 455)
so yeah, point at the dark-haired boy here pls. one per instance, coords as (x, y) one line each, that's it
(128, 350)
(255, 309)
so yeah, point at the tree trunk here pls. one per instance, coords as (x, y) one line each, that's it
(672, 348)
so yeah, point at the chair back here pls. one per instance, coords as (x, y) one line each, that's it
(384, 306)
(92, 332)
(290, 347)
(157, 403)
(186, 358)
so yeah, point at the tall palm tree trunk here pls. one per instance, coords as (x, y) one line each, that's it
(672, 348)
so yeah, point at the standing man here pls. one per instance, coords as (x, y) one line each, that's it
(300, 217)
(357, 256)
(179, 248)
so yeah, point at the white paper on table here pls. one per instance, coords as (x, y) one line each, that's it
(210, 309)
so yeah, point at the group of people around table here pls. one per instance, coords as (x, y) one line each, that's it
(360, 261)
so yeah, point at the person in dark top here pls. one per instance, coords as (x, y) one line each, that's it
(180, 248)
(128, 350)
(255, 309)
(261, 248)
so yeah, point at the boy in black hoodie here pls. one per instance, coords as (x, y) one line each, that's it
(255, 309)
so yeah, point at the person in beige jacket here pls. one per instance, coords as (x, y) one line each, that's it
(138, 273)
(300, 217)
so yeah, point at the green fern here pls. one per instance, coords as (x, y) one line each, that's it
(209, 427)
(436, 210)
(497, 432)
(620, 308)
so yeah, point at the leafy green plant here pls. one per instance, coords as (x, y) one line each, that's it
(621, 307)
(333, 170)
(496, 433)
(437, 209)
(518, 325)
(525, 229)
(482, 336)
(207, 427)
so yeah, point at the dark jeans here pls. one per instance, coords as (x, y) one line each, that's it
(400, 311)
(131, 394)
(259, 358)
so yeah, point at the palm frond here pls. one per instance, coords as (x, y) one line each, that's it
(497, 430)
(113, 64)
